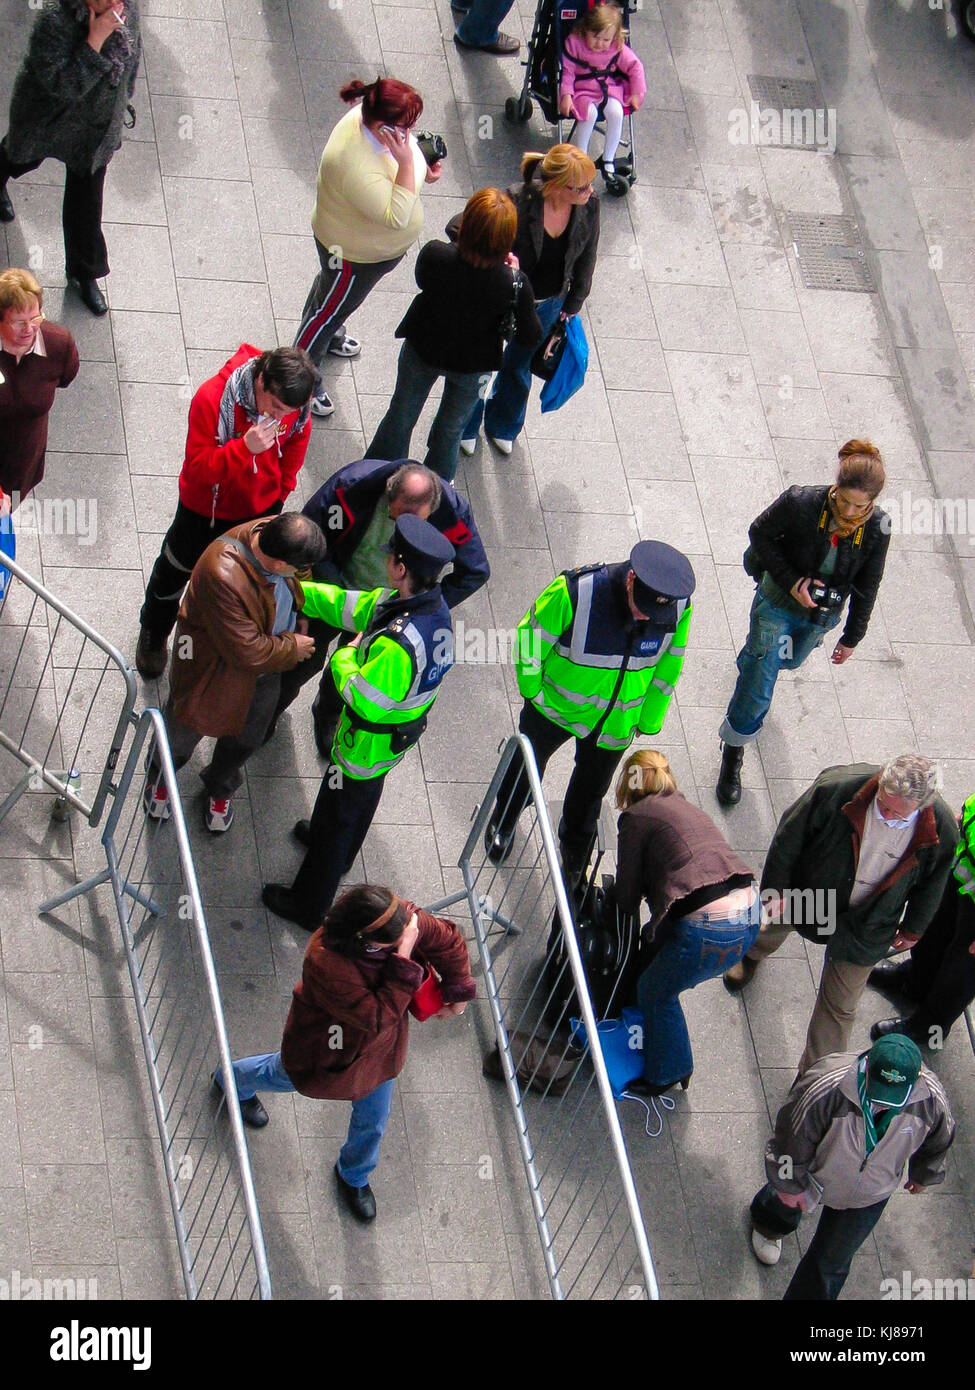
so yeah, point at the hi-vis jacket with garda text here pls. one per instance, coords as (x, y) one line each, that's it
(588, 667)
(389, 682)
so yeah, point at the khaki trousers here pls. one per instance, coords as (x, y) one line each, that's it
(840, 987)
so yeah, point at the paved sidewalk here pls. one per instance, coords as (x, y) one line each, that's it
(716, 379)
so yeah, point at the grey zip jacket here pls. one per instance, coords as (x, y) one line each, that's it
(819, 1144)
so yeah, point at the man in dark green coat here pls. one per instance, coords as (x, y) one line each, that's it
(859, 862)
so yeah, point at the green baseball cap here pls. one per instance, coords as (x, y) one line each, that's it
(893, 1066)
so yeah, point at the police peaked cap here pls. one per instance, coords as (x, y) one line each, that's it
(420, 546)
(663, 580)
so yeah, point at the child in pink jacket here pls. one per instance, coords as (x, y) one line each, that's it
(598, 66)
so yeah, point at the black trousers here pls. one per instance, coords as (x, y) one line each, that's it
(590, 780)
(942, 968)
(185, 541)
(822, 1271)
(340, 821)
(85, 252)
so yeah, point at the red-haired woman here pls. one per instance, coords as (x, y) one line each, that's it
(456, 327)
(367, 212)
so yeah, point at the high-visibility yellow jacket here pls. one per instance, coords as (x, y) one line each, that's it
(586, 665)
(389, 682)
(964, 865)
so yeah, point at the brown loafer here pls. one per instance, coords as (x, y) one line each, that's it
(504, 45)
(739, 975)
(150, 657)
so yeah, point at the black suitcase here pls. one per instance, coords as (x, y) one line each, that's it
(609, 946)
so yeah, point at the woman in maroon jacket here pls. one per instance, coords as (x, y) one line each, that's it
(34, 362)
(346, 1034)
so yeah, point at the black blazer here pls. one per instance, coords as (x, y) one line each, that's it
(789, 544)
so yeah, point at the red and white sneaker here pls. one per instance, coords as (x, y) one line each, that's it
(155, 800)
(219, 815)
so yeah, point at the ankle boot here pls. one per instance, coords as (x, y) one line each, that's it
(728, 789)
(6, 206)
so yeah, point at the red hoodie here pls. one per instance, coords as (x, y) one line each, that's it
(226, 481)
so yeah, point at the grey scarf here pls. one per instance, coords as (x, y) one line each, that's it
(239, 390)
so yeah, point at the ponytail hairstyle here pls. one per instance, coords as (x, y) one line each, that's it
(365, 915)
(385, 101)
(645, 773)
(861, 467)
(561, 166)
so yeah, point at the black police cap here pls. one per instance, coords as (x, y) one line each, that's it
(663, 579)
(421, 547)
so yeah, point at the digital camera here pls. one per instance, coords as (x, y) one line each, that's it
(432, 147)
(827, 600)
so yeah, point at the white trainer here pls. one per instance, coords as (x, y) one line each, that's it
(767, 1252)
(504, 446)
(155, 800)
(219, 814)
(321, 405)
(467, 446)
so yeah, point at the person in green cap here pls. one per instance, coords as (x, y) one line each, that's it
(849, 1127)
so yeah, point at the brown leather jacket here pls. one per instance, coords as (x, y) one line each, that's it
(223, 637)
(347, 1029)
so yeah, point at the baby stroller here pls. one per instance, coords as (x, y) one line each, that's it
(543, 71)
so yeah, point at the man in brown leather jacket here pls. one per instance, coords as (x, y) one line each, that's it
(238, 629)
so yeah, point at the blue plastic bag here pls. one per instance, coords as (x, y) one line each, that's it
(622, 1042)
(571, 371)
(8, 546)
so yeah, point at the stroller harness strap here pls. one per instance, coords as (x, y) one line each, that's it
(601, 76)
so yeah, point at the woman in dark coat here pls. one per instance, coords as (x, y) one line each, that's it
(810, 551)
(558, 232)
(69, 102)
(346, 1034)
(35, 359)
(705, 907)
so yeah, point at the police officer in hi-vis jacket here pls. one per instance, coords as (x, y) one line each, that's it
(385, 683)
(598, 656)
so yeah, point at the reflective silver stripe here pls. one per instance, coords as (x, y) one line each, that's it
(176, 564)
(352, 597)
(580, 623)
(665, 686)
(605, 742)
(612, 663)
(677, 651)
(964, 878)
(575, 698)
(384, 701)
(365, 773)
(580, 730)
(550, 637)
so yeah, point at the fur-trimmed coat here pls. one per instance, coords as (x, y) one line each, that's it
(67, 103)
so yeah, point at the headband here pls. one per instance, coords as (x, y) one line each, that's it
(383, 918)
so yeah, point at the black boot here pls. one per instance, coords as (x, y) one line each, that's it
(728, 789)
(6, 206)
(91, 296)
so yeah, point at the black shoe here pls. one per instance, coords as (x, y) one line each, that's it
(324, 734)
(91, 296)
(301, 830)
(150, 655)
(498, 842)
(728, 789)
(359, 1200)
(6, 206)
(897, 1025)
(252, 1112)
(894, 977)
(650, 1088)
(283, 903)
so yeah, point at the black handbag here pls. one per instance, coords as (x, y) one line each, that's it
(548, 354)
(510, 320)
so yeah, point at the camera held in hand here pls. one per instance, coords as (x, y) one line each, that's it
(432, 147)
(827, 600)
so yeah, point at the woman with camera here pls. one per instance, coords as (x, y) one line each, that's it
(472, 298)
(703, 897)
(367, 211)
(346, 1033)
(810, 551)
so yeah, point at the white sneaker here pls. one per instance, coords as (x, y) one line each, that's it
(219, 814)
(155, 800)
(467, 446)
(504, 446)
(767, 1252)
(345, 347)
(321, 405)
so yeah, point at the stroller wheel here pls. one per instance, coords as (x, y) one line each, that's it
(518, 110)
(967, 17)
(617, 186)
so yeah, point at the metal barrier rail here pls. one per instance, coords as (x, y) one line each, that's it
(177, 999)
(67, 698)
(583, 1195)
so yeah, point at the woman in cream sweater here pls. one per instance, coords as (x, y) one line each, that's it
(367, 212)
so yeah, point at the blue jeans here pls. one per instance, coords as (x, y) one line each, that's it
(777, 641)
(504, 414)
(480, 23)
(414, 382)
(697, 948)
(360, 1152)
(823, 1269)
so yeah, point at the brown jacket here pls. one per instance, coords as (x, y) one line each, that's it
(668, 849)
(223, 638)
(347, 1029)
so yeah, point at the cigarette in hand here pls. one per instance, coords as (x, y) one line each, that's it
(119, 18)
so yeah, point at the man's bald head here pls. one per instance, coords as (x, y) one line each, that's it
(413, 488)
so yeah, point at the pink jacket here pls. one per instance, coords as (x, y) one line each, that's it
(577, 81)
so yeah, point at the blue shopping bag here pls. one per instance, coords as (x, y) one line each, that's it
(571, 371)
(8, 546)
(622, 1042)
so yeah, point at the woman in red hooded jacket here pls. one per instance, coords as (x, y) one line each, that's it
(346, 1033)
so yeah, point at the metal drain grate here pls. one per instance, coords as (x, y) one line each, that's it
(791, 113)
(829, 252)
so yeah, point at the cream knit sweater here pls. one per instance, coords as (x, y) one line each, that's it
(359, 209)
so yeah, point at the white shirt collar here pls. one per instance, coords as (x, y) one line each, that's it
(38, 347)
